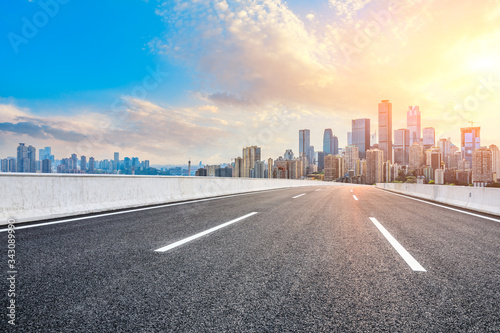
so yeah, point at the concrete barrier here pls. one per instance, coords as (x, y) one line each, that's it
(32, 197)
(482, 199)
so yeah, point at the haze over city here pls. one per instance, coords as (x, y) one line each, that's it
(201, 80)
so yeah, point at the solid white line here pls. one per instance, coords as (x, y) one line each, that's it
(295, 197)
(137, 210)
(400, 249)
(318, 190)
(435, 204)
(201, 234)
(355, 197)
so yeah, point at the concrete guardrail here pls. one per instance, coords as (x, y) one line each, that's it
(482, 199)
(32, 197)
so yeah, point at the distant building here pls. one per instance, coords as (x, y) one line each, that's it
(385, 129)
(351, 157)
(259, 169)
(83, 163)
(304, 143)
(238, 167)
(471, 140)
(270, 166)
(288, 155)
(46, 166)
(332, 168)
(361, 135)
(321, 161)
(374, 166)
(413, 124)
(402, 146)
(26, 158)
(201, 172)
(416, 157)
(91, 165)
(250, 156)
(495, 159)
(429, 139)
(482, 165)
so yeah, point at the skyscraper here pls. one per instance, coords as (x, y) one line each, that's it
(327, 141)
(361, 135)
(91, 165)
(116, 161)
(26, 158)
(495, 159)
(250, 156)
(385, 129)
(304, 142)
(471, 140)
(416, 158)
(238, 167)
(402, 146)
(83, 163)
(46, 166)
(429, 138)
(374, 166)
(481, 165)
(335, 143)
(413, 123)
(351, 157)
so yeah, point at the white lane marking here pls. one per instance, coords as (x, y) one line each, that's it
(355, 197)
(201, 234)
(295, 197)
(352, 191)
(318, 190)
(137, 210)
(435, 204)
(398, 247)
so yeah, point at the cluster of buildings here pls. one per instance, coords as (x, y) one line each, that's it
(409, 154)
(26, 161)
(405, 154)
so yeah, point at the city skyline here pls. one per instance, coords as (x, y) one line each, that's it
(170, 98)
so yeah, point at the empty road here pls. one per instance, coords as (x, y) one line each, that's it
(312, 259)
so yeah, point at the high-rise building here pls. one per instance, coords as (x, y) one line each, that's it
(495, 159)
(361, 135)
(238, 167)
(349, 138)
(436, 159)
(26, 158)
(332, 167)
(471, 140)
(288, 155)
(327, 141)
(116, 161)
(259, 169)
(413, 124)
(5, 165)
(351, 157)
(250, 156)
(429, 138)
(482, 165)
(374, 166)
(335, 143)
(402, 146)
(416, 159)
(270, 166)
(83, 163)
(91, 165)
(46, 166)
(321, 161)
(385, 129)
(304, 143)
(312, 160)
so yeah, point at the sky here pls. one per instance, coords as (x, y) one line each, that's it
(175, 80)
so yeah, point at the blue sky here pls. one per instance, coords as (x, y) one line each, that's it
(171, 80)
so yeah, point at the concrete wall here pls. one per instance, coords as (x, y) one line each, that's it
(32, 197)
(483, 199)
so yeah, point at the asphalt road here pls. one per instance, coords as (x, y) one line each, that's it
(309, 263)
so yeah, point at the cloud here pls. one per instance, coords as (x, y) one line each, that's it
(348, 8)
(41, 131)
